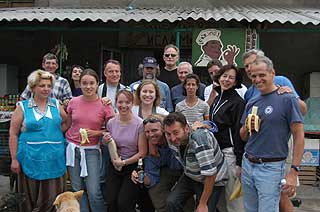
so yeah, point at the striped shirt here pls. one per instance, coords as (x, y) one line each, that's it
(203, 157)
(194, 113)
(61, 90)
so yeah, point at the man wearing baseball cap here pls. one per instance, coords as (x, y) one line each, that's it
(151, 71)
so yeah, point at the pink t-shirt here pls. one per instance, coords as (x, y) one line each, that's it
(126, 136)
(89, 115)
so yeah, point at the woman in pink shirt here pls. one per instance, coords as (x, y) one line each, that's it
(126, 129)
(86, 112)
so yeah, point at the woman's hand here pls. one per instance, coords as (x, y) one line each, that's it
(106, 137)
(15, 166)
(119, 163)
(106, 101)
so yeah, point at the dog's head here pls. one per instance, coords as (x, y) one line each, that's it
(11, 201)
(67, 196)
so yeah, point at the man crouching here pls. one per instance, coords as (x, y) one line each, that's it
(205, 171)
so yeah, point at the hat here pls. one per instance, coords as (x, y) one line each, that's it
(150, 62)
(208, 34)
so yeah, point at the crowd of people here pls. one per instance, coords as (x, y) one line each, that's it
(197, 142)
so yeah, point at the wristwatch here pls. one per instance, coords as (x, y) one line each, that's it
(296, 168)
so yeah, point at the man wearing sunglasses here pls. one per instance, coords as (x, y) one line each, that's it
(169, 73)
(205, 170)
(162, 169)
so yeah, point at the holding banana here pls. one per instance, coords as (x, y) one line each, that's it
(84, 136)
(252, 122)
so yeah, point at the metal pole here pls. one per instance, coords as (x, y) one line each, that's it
(61, 53)
(178, 43)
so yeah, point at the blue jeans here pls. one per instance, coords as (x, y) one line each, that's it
(90, 183)
(184, 189)
(261, 185)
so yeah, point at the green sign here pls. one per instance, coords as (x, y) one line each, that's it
(227, 45)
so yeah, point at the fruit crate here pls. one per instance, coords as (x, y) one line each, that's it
(308, 175)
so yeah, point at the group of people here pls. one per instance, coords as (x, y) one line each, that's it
(196, 141)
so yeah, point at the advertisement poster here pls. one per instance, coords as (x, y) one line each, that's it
(227, 45)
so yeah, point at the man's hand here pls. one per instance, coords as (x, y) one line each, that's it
(291, 185)
(202, 208)
(231, 53)
(284, 89)
(134, 177)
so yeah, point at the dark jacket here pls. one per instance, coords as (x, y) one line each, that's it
(226, 112)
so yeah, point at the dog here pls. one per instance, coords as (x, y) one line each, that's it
(10, 202)
(68, 201)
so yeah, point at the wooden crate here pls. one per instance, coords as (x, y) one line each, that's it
(308, 175)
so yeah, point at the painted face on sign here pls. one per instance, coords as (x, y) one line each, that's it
(213, 49)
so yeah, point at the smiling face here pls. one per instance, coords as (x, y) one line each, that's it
(153, 132)
(88, 85)
(191, 87)
(148, 94)
(262, 78)
(76, 72)
(228, 79)
(112, 72)
(247, 63)
(123, 104)
(213, 49)
(176, 134)
(50, 65)
(182, 72)
(42, 89)
(170, 57)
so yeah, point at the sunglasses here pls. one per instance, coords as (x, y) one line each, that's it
(168, 55)
(151, 120)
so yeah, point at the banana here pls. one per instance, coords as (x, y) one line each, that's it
(84, 136)
(112, 147)
(253, 116)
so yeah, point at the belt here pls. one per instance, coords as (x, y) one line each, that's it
(254, 159)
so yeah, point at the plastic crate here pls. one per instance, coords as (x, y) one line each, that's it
(5, 159)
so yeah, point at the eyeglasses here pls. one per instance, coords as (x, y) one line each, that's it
(168, 55)
(151, 120)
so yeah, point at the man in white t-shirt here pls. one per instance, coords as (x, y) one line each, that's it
(112, 72)
(210, 94)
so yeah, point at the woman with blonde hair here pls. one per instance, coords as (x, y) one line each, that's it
(37, 144)
(147, 100)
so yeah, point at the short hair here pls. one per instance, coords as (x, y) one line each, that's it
(37, 75)
(226, 68)
(171, 46)
(116, 62)
(191, 76)
(214, 62)
(127, 94)
(250, 52)
(49, 56)
(153, 118)
(175, 117)
(185, 64)
(156, 87)
(90, 72)
(265, 60)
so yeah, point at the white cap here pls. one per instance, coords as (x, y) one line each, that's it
(208, 34)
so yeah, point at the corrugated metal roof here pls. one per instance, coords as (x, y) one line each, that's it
(237, 13)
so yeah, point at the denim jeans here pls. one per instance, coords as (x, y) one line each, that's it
(90, 183)
(185, 188)
(261, 185)
(105, 158)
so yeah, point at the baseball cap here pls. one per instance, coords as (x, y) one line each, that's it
(150, 62)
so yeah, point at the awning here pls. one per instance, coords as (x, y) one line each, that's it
(114, 14)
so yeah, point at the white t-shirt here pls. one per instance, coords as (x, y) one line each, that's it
(159, 110)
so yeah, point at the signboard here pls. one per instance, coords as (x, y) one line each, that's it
(225, 44)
